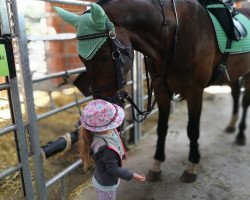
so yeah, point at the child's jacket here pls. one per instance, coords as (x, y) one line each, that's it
(108, 153)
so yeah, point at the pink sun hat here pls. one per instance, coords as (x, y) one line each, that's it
(99, 115)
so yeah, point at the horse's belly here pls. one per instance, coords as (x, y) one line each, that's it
(238, 65)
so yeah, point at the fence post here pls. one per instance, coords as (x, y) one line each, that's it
(17, 9)
(138, 92)
(4, 19)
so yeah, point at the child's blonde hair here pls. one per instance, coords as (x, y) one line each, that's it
(85, 140)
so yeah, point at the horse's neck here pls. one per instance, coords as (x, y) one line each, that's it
(142, 19)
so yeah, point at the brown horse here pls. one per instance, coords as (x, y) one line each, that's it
(177, 35)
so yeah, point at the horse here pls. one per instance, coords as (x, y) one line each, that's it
(184, 55)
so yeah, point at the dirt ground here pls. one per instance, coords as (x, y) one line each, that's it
(224, 167)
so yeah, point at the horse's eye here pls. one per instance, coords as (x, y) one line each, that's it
(105, 58)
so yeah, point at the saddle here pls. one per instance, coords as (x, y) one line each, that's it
(225, 13)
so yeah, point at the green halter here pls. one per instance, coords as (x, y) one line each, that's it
(87, 24)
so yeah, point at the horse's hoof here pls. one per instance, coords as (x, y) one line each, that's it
(187, 177)
(241, 141)
(230, 129)
(153, 176)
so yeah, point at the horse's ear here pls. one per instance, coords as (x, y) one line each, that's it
(98, 16)
(67, 16)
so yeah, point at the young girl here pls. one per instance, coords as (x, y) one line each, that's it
(99, 138)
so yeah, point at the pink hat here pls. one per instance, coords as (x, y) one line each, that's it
(99, 115)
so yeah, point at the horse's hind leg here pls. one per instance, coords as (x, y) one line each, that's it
(240, 138)
(154, 173)
(235, 87)
(194, 102)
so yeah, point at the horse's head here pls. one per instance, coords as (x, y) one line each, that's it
(105, 50)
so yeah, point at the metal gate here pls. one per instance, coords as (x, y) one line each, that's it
(26, 128)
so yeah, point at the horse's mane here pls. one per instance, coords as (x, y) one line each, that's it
(102, 2)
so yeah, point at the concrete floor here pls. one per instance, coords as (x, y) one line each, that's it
(224, 168)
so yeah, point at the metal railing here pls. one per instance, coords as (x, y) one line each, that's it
(21, 40)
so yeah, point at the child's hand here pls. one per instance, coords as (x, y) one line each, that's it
(139, 178)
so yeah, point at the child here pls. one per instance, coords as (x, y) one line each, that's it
(99, 137)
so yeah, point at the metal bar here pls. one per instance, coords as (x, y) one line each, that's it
(18, 10)
(10, 171)
(63, 173)
(70, 105)
(70, 2)
(129, 127)
(134, 95)
(63, 189)
(5, 86)
(146, 96)
(54, 37)
(59, 74)
(153, 112)
(138, 92)
(129, 82)
(20, 134)
(127, 106)
(4, 19)
(8, 129)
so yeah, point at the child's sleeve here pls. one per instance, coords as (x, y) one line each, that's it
(110, 158)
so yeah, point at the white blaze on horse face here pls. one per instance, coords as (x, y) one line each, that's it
(156, 167)
(192, 168)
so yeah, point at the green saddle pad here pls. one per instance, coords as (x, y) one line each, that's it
(237, 47)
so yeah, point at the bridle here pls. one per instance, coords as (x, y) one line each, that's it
(117, 50)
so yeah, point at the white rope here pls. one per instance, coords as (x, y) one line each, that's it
(68, 140)
(43, 155)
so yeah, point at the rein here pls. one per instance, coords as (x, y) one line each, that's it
(150, 103)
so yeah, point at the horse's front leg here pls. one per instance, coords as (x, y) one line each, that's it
(154, 173)
(194, 102)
